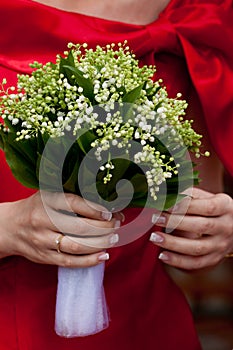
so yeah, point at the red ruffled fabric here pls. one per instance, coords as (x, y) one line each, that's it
(191, 45)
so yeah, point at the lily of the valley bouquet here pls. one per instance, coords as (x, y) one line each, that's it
(84, 124)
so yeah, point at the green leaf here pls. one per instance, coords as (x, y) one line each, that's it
(196, 178)
(51, 160)
(172, 199)
(84, 141)
(2, 139)
(26, 147)
(23, 170)
(12, 128)
(71, 184)
(151, 91)
(74, 155)
(68, 61)
(49, 174)
(21, 157)
(85, 83)
(120, 167)
(121, 90)
(41, 141)
(140, 185)
(133, 95)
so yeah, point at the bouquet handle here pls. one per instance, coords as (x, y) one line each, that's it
(81, 307)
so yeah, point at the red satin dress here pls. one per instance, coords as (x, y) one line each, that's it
(191, 45)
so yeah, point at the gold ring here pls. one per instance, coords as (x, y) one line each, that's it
(58, 242)
(230, 255)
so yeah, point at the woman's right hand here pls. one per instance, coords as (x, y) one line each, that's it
(31, 226)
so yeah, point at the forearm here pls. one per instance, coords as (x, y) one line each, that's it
(7, 233)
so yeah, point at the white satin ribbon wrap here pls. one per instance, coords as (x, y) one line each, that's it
(81, 307)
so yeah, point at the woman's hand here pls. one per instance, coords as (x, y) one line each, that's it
(203, 233)
(34, 226)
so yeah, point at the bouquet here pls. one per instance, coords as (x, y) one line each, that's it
(96, 124)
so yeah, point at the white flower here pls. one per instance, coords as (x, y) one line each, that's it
(15, 121)
(114, 142)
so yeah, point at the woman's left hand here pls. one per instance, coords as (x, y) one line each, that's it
(203, 233)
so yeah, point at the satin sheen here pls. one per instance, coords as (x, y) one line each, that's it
(189, 43)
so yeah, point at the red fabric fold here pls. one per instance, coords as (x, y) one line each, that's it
(200, 32)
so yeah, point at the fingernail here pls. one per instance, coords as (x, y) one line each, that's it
(117, 224)
(103, 257)
(122, 217)
(163, 256)
(106, 215)
(155, 237)
(158, 219)
(174, 208)
(114, 239)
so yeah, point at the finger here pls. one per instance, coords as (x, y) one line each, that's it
(96, 242)
(213, 205)
(79, 245)
(194, 224)
(187, 234)
(189, 262)
(69, 260)
(65, 244)
(75, 204)
(74, 225)
(193, 247)
(195, 192)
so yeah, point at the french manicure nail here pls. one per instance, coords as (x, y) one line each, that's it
(158, 219)
(114, 239)
(175, 208)
(106, 215)
(155, 237)
(117, 224)
(103, 257)
(163, 256)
